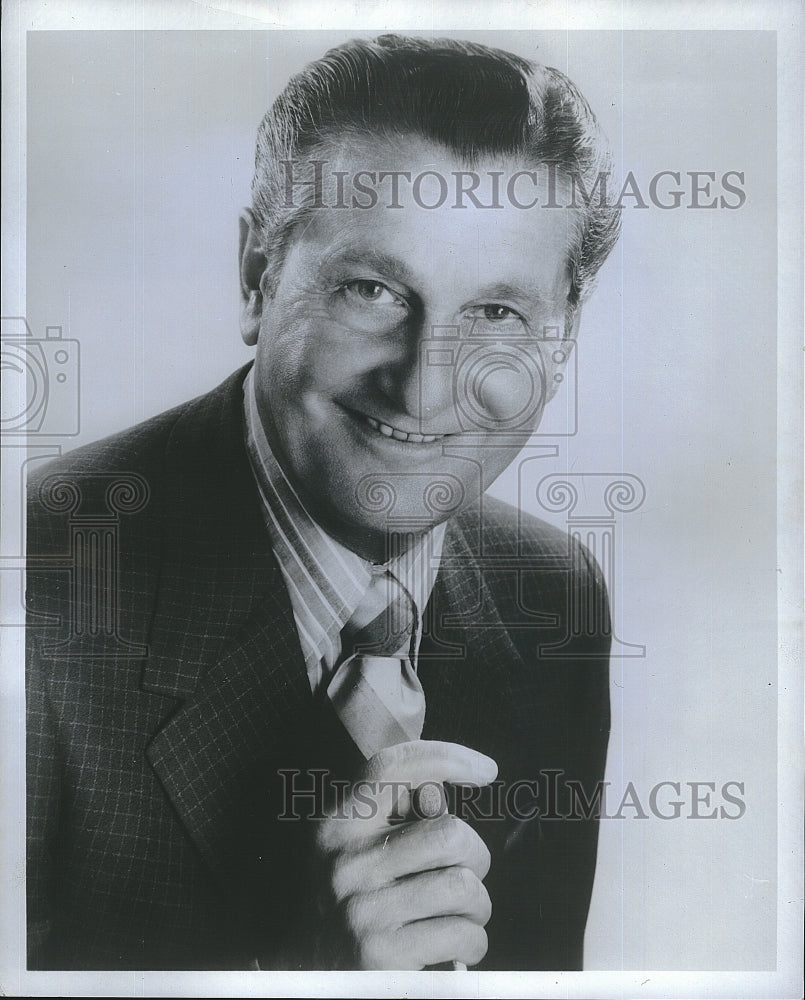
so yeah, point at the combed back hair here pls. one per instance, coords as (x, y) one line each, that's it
(475, 101)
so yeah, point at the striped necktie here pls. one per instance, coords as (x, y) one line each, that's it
(375, 691)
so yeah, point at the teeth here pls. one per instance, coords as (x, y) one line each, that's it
(399, 435)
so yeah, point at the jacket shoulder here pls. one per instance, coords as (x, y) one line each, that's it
(133, 449)
(505, 526)
(542, 555)
(132, 474)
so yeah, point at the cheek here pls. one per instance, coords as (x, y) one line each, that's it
(314, 355)
(279, 369)
(290, 351)
(503, 389)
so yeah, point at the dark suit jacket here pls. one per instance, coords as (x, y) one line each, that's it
(166, 690)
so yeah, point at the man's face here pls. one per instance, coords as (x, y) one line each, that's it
(402, 359)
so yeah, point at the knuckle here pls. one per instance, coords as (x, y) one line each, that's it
(371, 952)
(483, 858)
(473, 850)
(341, 877)
(324, 838)
(469, 892)
(390, 758)
(406, 754)
(460, 841)
(484, 904)
(459, 881)
(477, 944)
(353, 910)
(376, 766)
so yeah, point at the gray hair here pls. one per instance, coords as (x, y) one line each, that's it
(473, 100)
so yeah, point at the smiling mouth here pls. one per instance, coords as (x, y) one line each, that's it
(394, 432)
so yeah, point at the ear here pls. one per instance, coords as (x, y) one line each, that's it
(252, 265)
(563, 350)
(573, 332)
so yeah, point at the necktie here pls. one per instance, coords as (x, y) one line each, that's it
(375, 691)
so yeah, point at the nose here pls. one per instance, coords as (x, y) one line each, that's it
(423, 384)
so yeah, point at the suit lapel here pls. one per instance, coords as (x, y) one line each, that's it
(217, 569)
(469, 664)
(223, 639)
(216, 756)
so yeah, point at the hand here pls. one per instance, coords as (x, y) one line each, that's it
(397, 892)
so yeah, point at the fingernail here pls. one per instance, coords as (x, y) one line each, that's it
(429, 801)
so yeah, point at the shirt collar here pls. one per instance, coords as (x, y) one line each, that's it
(326, 581)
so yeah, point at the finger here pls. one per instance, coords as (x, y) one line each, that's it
(424, 761)
(447, 892)
(438, 843)
(450, 892)
(381, 794)
(441, 939)
(407, 850)
(416, 847)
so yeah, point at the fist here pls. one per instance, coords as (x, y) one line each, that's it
(397, 891)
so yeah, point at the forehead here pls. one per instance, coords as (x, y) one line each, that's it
(411, 203)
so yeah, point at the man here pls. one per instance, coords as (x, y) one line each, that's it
(213, 734)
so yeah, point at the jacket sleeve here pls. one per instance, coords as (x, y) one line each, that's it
(546, 868)
(47, 598)
(43, 795)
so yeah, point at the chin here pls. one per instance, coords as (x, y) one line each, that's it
(370, 539)
(409, 499)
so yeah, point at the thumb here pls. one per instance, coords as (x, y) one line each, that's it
(406, 779)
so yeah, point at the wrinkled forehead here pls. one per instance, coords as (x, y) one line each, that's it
(388, 178)
(408, 209)
(373, 170)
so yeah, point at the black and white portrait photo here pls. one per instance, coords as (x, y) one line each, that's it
(402, 460)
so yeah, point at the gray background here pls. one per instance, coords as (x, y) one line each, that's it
(139, 159)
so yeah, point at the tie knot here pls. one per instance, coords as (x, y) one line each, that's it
(383, 622)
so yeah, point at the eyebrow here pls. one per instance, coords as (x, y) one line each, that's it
(503, 290)
(382, 263)
(388, 265)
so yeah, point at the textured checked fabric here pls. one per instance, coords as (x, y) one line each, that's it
(325, 580)
(153, 839)
(375, 691)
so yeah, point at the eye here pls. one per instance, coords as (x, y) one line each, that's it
(373, 292)
(369, 306)
(495, 313)
(492, 315)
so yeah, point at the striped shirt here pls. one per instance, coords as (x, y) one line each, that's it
(325, 580)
